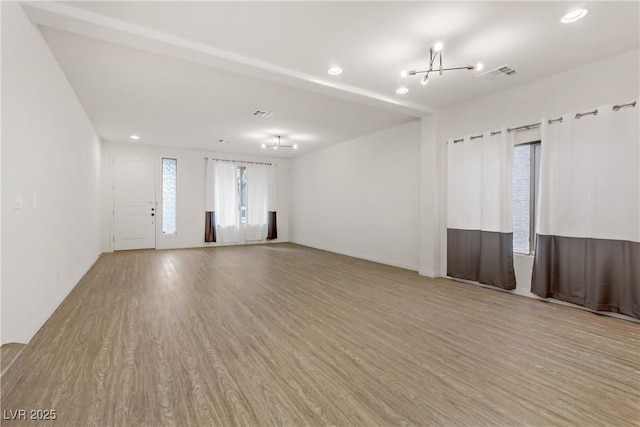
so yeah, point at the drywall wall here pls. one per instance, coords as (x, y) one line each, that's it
(189, 194)
(612, 80)
(51, 161)
(361, 197)
(430, 199)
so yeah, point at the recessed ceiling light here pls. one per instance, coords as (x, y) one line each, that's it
(437, 47)
(295, 146)
(479, 66)
(573, 16)
(402, 90)
(136, 137)
(335, 70)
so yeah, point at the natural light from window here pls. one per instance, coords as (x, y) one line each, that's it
(526, 181)
(169, 180)
(242, 192)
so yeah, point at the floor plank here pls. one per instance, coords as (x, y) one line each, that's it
(8, 352)
(283, 334)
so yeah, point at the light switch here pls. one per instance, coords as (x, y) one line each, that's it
(18, 201)
(34, 201)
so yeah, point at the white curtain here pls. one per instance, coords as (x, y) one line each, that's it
(257, 202)
(479, 221)
(209, 189)
(587, 244)
(209, 202)
(226, 201)
(272, 185)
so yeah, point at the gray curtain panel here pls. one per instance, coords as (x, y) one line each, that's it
(482, 256)
(600, 274)
(272, 226)
(588, 236)
(479, 212)
(209, 226)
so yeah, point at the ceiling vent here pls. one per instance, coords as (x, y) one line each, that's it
(505, 70)
(262, 113)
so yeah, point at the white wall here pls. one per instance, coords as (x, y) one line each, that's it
(361, 197)
(50, 150)
(430, 199)
(190, 192)
(612, 80)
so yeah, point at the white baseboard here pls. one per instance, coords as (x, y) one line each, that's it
(359, 256)
(429, 273)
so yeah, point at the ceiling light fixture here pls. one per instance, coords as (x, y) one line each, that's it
(277, 144)
(436, 52)
(402, 90)
(479, 66)
(335, 70)
(135, 137)
(574, 15)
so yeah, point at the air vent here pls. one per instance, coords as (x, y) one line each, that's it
(262, 113)
(505, 70)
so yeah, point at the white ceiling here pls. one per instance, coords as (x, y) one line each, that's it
(173, 102)
(207, 65)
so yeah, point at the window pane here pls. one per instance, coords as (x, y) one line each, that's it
(242, 189)
(521, 198)
(169, 179)
(537, 184)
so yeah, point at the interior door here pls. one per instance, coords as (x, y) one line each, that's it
(134, 202)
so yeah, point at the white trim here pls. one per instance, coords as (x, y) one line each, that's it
(548, 300)
(360, 256)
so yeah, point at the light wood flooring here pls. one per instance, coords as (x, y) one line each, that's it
(286, 335)
(8, 352)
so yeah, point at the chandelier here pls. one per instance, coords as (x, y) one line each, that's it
(278, 144)
(435, 52)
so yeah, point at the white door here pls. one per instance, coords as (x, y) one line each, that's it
(134, 202)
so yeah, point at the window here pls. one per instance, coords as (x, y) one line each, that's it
(526, 183)
(242, 193)
(169, 180)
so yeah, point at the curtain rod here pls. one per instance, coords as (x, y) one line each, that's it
(536, 125)
(509, 130)
(241, 161)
